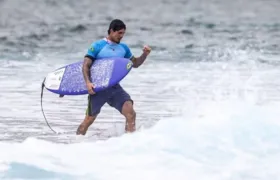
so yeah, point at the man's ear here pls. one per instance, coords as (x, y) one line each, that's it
(111, 30)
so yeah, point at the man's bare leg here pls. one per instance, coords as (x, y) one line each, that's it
(130, 115)
(82, 129)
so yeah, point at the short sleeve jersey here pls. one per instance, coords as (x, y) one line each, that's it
(106, 49)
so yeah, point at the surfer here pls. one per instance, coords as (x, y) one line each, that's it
(115, 96)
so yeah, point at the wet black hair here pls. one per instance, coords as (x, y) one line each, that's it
(116, 25)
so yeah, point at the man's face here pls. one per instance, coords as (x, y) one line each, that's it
(117, 35)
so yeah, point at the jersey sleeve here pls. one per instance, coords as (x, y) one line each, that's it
(93, 50)
(128, 53)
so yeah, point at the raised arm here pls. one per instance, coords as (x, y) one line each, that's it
(138, 61)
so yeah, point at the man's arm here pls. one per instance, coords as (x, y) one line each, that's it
(86, 68)
(86, 72)
(140, 60)
(88, 60)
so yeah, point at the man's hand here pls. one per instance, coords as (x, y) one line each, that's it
(90, 87)
(146, 50)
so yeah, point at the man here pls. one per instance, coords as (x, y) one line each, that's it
(115, 96)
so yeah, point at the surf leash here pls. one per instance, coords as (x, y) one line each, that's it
(42, 90)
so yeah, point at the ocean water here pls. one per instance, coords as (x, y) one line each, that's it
(207, 98)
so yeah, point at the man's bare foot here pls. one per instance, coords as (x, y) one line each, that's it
(130, 127)
(82, 129)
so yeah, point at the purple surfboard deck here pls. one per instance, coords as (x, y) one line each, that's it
(69, 80)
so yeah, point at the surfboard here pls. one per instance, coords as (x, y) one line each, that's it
(104, 73)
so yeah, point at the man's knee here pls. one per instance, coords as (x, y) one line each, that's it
(128, 110)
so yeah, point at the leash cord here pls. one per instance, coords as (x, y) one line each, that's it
(42, 89)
